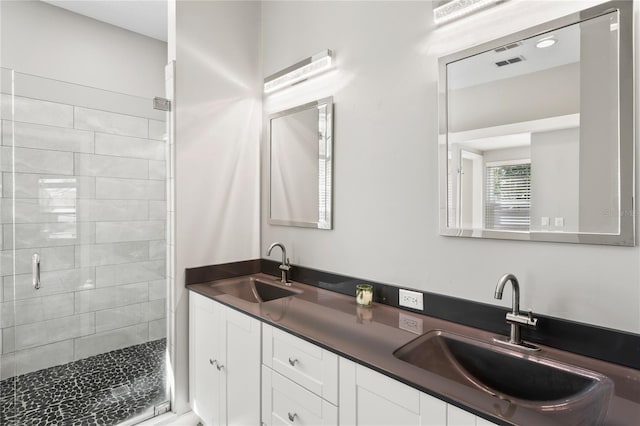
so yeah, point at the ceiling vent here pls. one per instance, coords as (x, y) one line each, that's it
(510, 61)
(507, 47)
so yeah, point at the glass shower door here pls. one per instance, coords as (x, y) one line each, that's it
(83, 255)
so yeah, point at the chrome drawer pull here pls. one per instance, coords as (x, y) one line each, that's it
(219, 366)
(292, 417)
(293, 361)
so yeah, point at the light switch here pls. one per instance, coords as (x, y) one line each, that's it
(544, 221)
(559, 221)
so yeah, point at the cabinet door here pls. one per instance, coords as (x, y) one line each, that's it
(483, 422)
(204, 338)
(240, 374)
(459, 417)
(370, 398)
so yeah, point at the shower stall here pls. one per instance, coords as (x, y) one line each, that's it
(84, 267)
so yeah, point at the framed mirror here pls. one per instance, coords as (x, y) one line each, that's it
(536, 133)
(300, 165)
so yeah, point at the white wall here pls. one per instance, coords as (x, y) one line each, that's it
(555, 179)
(504, 154)
(218, 119)
(386, 178)
(294, 166)
(549, 93)
(44, 40)
(598, 186)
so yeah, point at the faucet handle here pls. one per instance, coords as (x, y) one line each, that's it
(528, 320)
(285, 266)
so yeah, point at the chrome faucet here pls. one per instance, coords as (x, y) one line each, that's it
(285, 266)
(514, 318)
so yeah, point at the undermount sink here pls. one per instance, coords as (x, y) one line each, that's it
(255, 290)
(509, 374)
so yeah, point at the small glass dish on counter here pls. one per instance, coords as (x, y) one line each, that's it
(364, 294)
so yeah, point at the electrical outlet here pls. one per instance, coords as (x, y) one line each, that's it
(410, 323)
(410, 299)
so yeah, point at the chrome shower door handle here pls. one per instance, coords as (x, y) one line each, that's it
(35, 270)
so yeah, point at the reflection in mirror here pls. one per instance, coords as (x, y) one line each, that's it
(300, 143)
(536, 127)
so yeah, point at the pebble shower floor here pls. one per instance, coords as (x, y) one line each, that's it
(105, 389)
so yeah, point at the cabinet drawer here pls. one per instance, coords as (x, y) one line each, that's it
(306, 364)
(286, 403)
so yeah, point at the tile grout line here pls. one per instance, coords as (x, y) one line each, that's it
(104, 111)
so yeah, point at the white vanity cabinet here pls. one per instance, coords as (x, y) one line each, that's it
(224, 363)
(299, 381)
(368, 398)
(244, 372)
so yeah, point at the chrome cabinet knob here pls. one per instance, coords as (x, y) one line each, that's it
(216, 364)
(293, 362)
(292, 417)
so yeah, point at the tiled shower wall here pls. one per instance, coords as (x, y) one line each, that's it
(90, 200)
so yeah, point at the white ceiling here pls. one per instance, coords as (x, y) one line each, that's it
(481, 68)
(146, 17)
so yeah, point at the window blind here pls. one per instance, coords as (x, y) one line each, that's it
(508, 197)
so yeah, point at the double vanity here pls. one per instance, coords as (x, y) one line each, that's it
(262, 352)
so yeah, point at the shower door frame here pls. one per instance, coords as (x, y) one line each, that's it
(169, 233)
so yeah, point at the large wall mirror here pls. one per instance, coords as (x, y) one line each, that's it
(536, 133)
(300, 171)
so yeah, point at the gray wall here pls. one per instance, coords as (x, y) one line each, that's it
(218, 119)
(386, 178)
(294, 166)
(41, 39)
(555, 179)
(599, 203)
(548, 93)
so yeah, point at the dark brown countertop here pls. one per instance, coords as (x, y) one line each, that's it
(369, 336)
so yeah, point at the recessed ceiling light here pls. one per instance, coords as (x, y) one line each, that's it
(545, 42)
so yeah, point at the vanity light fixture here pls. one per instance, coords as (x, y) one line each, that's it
(300, 71)
(448, 10)
(546, 42)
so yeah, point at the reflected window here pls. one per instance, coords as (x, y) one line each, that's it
(508, 196)
(57, 200)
